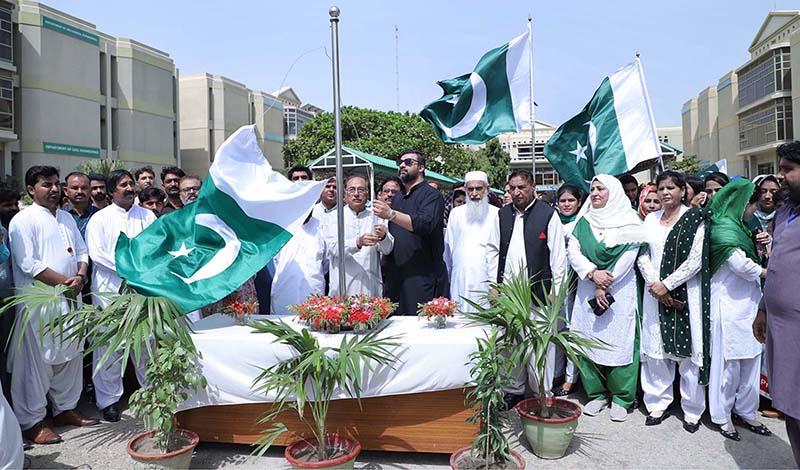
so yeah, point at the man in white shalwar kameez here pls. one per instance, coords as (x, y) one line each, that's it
(46, 246)
(471, 243)
(365, 239)
(300, 268)
(12, 455)
(122, 215)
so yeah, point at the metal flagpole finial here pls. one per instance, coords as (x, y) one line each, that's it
(334, 13)
(637, 54)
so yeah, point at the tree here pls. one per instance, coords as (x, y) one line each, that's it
(497, 163)
(688, 165)
(386, 134)
(103, 166)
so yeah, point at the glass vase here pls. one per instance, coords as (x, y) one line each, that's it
(439, 322)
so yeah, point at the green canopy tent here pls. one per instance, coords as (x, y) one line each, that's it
(373, 166)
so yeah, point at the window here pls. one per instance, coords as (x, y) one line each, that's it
(770, 74)
(770, 122)
(546, 177)
(114, 83)
(103, 128)
(114, 130)
(6, 103)
(765, 169)
(103, 74)
(6, 35)
(211, 145)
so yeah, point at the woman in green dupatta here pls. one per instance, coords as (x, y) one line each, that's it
(602, 250)
(735, 375)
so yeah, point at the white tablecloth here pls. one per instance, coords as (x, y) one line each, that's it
(428, 359)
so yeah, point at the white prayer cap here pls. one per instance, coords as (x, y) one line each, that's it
(476, 176)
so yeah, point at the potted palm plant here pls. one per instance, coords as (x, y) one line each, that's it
(307, 382)
(528, 326)
(490, 373)
(137, 326)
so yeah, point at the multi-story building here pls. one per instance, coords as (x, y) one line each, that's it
(214, 107)
(750, 111)
(295, 114)
(81, 94)
(518, 146)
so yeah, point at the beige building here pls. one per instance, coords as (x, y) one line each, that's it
(213, 108)
(750, 111)
(518, 146)
(82, 94)
(295, 113)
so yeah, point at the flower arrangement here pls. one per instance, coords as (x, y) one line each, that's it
(333, 314)
(438, 309)
(241, 310)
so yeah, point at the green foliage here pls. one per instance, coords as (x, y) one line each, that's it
(312, 376)
(135, 325)
(497, 163)
(491, 372)
(688, 165)
(387, 134)
(529, 324)
(171, 372)
(102, 166)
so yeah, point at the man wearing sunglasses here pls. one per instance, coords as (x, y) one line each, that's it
(415, 270)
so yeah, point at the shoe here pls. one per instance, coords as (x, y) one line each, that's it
(560, 391)
(732, 435)
(594, 407)
(691, 427)
(41, 433)
(618, 412)
(111, 413)
(770, 413)
(656, 420)
(72, 418)
(760, 429)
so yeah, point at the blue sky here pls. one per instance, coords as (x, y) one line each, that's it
(685, 45)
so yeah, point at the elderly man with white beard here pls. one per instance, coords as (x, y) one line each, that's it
(471, 242)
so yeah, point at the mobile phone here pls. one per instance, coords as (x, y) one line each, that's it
(678, 305)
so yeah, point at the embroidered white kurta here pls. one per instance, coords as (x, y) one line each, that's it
(362, 266)
(650, 266)
(300, 268)
(102, 233)
(470, 254)
(39, 241)
(735, 293)
(617, 326)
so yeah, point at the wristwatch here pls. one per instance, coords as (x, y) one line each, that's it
(590, 276)
(393, 215)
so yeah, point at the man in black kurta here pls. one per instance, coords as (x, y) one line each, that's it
(415, 270)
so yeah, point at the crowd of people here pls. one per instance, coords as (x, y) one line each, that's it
(671, 275)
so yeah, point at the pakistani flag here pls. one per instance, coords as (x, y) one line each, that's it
(720, 166)
(494, 98)
(614, 132)
(244, 214)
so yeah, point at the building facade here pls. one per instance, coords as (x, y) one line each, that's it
(80, 94)
(295, 113)
(214, 107)
(750, 111)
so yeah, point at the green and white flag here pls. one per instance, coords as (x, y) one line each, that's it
(720, 166)
(614, 132)
(494, 98)
(244, 214)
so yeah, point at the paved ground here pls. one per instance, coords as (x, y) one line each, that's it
(598, 443)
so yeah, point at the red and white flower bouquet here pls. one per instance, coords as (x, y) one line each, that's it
(359, 313)
(438, 310)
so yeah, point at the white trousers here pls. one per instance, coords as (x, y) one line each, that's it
(33, 382)
(733, 385)
(11, 453)
(565, 366)
(107, 381)
(519, 375)
(657, 378)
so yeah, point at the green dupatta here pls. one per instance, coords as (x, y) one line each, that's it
(728, 232)
(597, 252)
(676, 333)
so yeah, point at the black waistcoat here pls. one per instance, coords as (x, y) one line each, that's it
(537, 254)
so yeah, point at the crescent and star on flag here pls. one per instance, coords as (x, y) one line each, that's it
(221, 260)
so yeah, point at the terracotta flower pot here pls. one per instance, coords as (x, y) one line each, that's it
(549, 437)
(517, 462)
(179, 459)
(349, 445)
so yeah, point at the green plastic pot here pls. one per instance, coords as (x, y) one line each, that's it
(549, 437)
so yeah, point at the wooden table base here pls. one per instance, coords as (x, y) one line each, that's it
(419, 422)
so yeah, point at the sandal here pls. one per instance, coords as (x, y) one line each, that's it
(760, 429)
(561, 392)
(732, 435)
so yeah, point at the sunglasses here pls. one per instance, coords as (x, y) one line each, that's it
(408, 161)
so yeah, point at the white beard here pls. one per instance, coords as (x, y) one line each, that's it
(477, 210)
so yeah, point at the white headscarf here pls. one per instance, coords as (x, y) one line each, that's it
(618, 221)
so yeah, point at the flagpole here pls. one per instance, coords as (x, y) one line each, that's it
(337, 119)
(533, 114)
